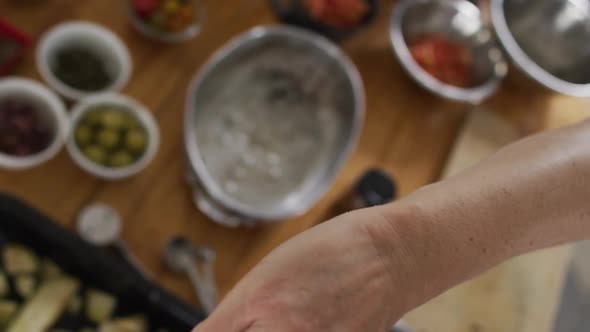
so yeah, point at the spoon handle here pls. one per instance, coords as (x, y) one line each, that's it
(205, 290)
(209, 276)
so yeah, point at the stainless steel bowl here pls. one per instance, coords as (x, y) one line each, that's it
(209, 195)
(549, 40)
(460, 21)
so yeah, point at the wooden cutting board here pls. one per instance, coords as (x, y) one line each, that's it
(518, 296)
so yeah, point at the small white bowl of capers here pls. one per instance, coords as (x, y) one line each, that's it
(113, 136)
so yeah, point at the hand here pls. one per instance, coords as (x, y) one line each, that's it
(330, 278)
(363, 270)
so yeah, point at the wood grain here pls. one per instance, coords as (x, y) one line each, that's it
(407, 131)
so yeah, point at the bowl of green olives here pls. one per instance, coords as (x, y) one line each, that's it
(113, 136)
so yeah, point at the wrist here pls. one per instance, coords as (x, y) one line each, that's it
(425, 253)
(397, 234)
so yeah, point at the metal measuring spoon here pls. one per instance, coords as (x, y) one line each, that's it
(197, 262)
(100, 225)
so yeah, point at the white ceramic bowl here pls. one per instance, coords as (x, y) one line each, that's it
(50, 108)
(168, 37)
(140, 113)
(97, 39)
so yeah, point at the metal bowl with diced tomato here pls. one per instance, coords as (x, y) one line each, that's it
(447, 49)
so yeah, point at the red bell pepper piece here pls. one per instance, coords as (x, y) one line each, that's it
(21, 41)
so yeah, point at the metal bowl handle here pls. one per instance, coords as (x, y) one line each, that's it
(214, 210)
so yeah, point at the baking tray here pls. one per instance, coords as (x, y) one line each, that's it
(22, 224)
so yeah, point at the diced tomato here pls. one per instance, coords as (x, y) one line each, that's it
(449, 62)
(145, 7)
(337, 13)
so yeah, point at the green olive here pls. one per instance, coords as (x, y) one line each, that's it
(136, 140)
(95, 153)
(108, 138)
(113, 119)
(121, 159)
(129, 122)
(83, 135)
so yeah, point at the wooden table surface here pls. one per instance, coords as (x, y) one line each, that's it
(407, 131)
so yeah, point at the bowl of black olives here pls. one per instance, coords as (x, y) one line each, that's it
(34, 124)
(113, 136)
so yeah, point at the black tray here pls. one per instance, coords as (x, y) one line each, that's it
(20, 223)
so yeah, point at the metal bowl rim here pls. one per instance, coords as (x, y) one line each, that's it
(472, 95)
(192, 150)
(525, 63)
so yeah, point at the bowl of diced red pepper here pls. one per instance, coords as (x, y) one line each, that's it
(33, 123)
(167, 20)
(336, 19)
(13, 44)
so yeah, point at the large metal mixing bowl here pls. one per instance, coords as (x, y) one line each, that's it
(549, 40)
(459, 21)
(209, 195)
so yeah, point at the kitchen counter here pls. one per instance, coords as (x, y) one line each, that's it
(401, 120)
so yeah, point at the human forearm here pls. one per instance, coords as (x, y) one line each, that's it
(529, 196)
(363, 270)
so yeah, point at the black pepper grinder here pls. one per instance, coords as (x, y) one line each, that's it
(375, 187)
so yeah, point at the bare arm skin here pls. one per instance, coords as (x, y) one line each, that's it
(364, 270)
